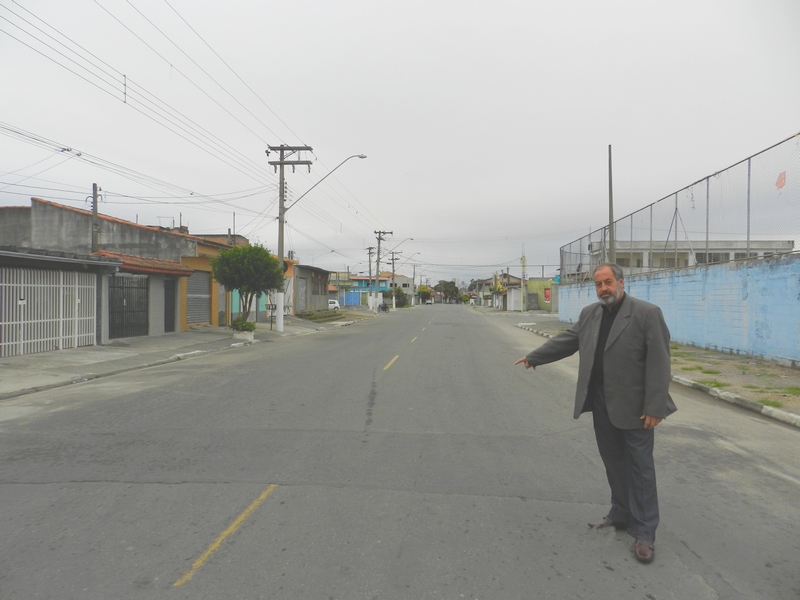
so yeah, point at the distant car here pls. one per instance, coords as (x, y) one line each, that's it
(428, 301)
(333, 304)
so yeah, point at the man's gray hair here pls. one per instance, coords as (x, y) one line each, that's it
(615, 269)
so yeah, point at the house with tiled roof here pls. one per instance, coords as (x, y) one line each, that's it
(163, 282)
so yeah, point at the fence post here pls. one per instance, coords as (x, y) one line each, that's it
(747, 253)
(676, 230)
(708, 213)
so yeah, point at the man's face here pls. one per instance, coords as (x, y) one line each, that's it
(608, 289)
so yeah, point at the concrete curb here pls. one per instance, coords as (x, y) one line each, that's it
(92, 376)
(751, 405)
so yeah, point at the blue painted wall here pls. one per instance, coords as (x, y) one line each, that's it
(750, 307)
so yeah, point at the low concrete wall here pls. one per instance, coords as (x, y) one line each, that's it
(749, 307)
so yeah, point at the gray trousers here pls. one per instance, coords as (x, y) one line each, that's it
(628, 457)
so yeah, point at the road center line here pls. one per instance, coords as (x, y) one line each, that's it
(391, 362)
(414, 340)
(218, 542)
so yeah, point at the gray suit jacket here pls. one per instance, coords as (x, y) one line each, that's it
(636, 364)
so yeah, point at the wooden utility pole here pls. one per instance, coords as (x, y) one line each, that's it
(285, 152)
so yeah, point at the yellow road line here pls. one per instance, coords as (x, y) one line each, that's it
(391, 362)
(423, 329)
(414, 340)
(218, 542)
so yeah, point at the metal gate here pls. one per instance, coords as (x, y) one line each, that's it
(127, 305)
(198, 298)
(44, 310)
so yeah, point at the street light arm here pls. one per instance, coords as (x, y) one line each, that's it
(408, 259)
(405, 240)
(323, 179)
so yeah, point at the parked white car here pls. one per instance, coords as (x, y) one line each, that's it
(333, 304)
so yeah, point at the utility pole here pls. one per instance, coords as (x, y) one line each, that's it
(379, 235)
(369, 277)
(394, 286)
(95, 219)
(285, 152)
(524, 286)
(612, 251)
(413, 284)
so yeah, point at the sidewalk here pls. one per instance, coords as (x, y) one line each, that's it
(759, 385)
(20, 375)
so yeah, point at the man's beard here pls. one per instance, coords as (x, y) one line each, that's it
(609, 300)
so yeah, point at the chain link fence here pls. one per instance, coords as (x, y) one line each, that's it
(749, 210)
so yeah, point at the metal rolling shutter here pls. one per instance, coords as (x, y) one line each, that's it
(198, 298)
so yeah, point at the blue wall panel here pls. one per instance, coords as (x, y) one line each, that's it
(750, 307)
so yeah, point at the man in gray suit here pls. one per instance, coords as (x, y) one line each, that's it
(623, 379)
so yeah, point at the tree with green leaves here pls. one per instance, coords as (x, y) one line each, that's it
(448, 289)
(250, 270)
(424, 293)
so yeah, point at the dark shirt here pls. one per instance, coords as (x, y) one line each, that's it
(597, 380)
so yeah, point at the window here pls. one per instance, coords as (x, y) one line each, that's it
(712, 257)
(743, 255)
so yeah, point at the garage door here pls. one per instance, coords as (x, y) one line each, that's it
(198, 298)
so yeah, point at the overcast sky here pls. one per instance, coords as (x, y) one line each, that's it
(486, 125)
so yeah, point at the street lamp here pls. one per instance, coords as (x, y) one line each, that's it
(279, 297)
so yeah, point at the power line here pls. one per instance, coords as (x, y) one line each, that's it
(235, 74)
(177, 70)
(202, 69)
(141, 178)
(169, 114)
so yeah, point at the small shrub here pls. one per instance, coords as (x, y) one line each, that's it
(242, 324)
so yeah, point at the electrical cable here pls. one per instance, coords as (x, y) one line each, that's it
(236, 74)
(223, 88)
(264, 173)
(177, 70)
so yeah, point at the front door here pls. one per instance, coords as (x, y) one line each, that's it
(127, 305)
(169, 305)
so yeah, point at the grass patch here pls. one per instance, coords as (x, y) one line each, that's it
(680, 353)
(694, 368)
(714, 384)
(772, 403)
(709, 371)
(673, 346)
(792, 390)
(752, 387)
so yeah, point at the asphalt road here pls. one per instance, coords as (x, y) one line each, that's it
(403, 457)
